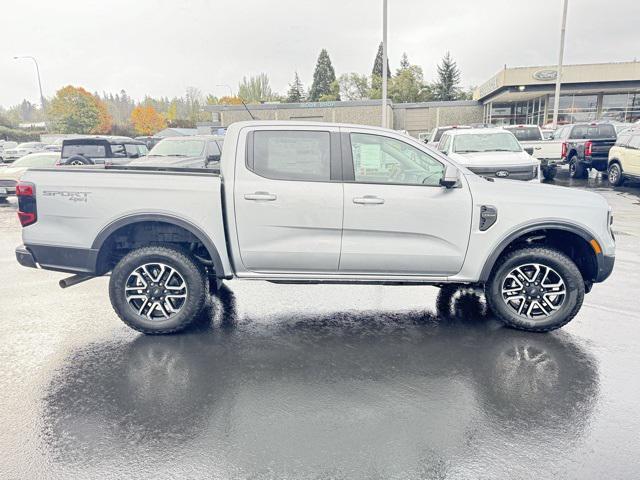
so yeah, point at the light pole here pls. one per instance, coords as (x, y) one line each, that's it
(556, 98)
(42, 105)
(384, 63)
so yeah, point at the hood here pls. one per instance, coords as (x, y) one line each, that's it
(492, 159)
(170, 161)
(528, 194)
(12, 173)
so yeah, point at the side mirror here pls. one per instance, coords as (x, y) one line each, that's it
(450, 177)
(212, 158)
(529, 150)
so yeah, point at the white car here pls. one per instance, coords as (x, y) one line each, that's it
(21, 150)
(490, 152)
(10, 175)
(436, 134)
(548, 151)
(6, 145)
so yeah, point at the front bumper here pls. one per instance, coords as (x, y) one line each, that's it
(605, 267)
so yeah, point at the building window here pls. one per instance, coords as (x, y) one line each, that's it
(621, 107)
(574, 108)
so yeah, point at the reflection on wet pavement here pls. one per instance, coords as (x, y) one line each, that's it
(369, 394)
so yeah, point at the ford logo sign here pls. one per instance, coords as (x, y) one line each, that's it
(502, 173)
(545, 75)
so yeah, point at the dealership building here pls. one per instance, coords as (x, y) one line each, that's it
(512, 96)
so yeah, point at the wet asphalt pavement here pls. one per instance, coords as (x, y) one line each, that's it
(319, 381)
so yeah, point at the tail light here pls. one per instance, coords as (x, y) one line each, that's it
(588, 147)
(563, 154)
(27, 210)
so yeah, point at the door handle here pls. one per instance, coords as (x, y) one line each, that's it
(260, 197)
(369, 200)
(537, 148)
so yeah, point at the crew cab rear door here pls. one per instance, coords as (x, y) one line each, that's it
(397, 218)
(288, 200)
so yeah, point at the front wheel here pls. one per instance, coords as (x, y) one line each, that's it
(615, 175)
(549, 173)
(158, 290)
(535, 289)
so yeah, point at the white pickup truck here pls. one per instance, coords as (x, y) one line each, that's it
(299, 202)
(549, 152)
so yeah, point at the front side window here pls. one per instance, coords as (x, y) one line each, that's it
(292, 155)
(486, 142)
(90, 151)
(378, 159)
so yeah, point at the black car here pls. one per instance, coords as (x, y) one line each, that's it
(101, 150)
(586, 146)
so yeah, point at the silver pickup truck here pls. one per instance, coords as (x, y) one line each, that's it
(299, 202)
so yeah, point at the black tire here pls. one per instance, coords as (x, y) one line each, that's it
(191, 273)
(78, 160)
(549, 173)
(577, 168)
(615, 175)
(548, 257)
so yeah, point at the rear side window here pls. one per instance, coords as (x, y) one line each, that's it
(525, 134)
(292, 155)
(91, 151)
(594, 132)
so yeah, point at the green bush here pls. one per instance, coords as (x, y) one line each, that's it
(16, 135)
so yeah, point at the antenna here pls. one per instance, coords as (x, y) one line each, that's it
(248, 111)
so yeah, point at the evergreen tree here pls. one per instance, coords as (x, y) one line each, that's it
(296, 90)
(377, 64)
(404, 63)
(324, 79)
(447, 86)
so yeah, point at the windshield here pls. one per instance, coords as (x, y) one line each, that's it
(525, 134)
(486, 142)
(36, 161)
(178, 148)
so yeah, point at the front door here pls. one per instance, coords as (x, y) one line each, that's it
(397, 218)
(288, 201)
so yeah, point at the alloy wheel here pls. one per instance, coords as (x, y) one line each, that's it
(156, 291)
(534, 291)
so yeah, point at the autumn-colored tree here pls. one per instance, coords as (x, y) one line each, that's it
(74, 110)
(105, 120)
(227, 100)
(146, 120)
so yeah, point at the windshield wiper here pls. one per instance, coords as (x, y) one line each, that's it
(502, 150)
(467, 151)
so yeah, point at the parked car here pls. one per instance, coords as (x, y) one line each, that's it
(307, 202)
(100, 150)
(10, 176)
(490, 152)
(6, 145)
(436, 133)
(586, 146)
(549, 152)
(624, 158)
(12, 154)
(195, 151)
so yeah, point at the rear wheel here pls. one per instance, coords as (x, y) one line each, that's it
(615, 175)
(78, 160)
(158, 290)
(577, 168)
(535, 289)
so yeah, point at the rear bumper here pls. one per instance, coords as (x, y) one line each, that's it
(60, 259)
(605, 267)
(599, 163)
(25, 258)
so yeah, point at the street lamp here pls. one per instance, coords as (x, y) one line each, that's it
(556, 97)
(44, 112)
(384, 63)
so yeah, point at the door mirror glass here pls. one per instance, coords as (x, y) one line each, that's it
(213, 158)
(450, 177)
(529, 150)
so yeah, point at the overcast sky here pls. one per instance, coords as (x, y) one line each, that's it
(160, 47)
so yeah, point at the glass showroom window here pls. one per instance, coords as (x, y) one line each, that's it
(622, 107)
(574, 108)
